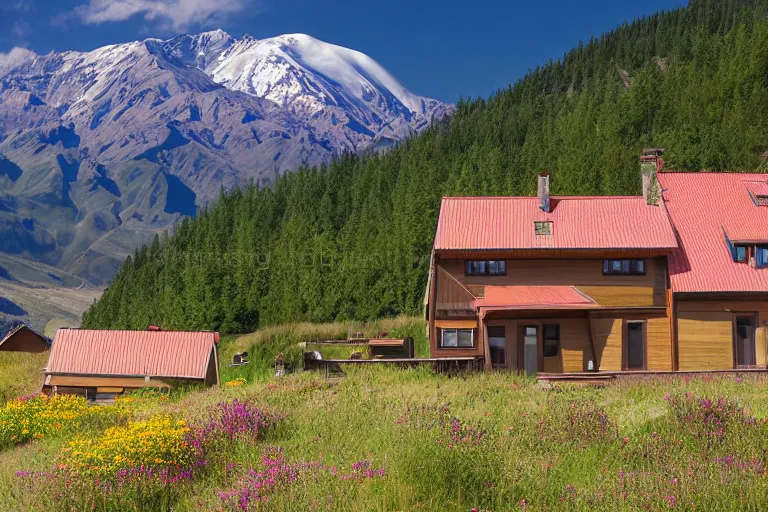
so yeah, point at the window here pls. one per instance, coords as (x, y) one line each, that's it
(761, 256)
(624, 267)
(745, 253)
(543, 227)
(551, 334)
(457, 338)
(498, 345)
(486, 268)
(740, 253)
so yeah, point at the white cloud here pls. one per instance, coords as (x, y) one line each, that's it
(176, 14)
(14, 57)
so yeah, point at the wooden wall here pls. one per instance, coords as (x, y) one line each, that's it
(586, 275)
(608, 332)
(24, 340)
(452, 297)
(705, 332)
(575, 349)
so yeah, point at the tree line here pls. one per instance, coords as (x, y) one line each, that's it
(351, 240)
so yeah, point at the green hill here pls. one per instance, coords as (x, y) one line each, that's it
(352, 241)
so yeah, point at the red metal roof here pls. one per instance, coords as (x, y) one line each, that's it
(602, 222)
(704, 208)
(174, 354)
(534, 297)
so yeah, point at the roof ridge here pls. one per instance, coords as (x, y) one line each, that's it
(566, 198)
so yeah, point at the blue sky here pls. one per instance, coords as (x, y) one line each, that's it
(441, 49)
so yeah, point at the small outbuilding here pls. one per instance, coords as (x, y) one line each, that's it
(97, 363)
(23, 338)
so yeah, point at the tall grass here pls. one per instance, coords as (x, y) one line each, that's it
(407, 439)
(21, 374)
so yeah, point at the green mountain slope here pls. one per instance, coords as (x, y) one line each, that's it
(352, 240)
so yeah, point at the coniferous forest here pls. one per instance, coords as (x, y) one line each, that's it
(352, 240)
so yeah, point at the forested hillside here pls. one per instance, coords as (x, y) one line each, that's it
(353, 240)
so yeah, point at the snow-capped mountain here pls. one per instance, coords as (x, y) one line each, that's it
(100, 150)
(313, 80)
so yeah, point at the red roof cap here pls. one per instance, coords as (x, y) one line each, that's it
(176, 354)
(578, 222)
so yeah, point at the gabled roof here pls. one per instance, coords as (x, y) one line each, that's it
(534, 297)
(44, 341)
(578, 222)
(170, 354)
(705, 208)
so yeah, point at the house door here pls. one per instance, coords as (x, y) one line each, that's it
(528, 359)
(634, 346)
(498, 342)
(744, 340)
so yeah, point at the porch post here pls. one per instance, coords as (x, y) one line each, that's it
(483, 335)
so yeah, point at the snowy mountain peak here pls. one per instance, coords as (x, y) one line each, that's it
(122, 140)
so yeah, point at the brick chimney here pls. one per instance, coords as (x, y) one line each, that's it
(543, 192)
(651, 164)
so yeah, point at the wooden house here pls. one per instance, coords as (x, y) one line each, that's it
(23, 338)
(96, 362)
(719, 273)
(670, 280)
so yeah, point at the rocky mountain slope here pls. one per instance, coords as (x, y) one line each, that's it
(101, 150)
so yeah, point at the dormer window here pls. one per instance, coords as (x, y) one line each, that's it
(543, 227)
(754, 255)
(761, 256)
(741, 254)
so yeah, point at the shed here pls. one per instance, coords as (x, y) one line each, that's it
(96, 362)
(23, 338)
(389, 348)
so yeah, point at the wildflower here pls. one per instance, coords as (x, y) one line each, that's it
(671, 501)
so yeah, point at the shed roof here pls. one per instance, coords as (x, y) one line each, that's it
(534, 297)
(170, 354)
(705, 207)
(578, 222)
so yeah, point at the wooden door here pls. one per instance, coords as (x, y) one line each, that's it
(744, 340)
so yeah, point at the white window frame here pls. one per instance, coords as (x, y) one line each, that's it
(456, 330)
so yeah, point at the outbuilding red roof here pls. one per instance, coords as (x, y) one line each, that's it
(706, 207)
(534, 297)
(172, 354)
(578, 222)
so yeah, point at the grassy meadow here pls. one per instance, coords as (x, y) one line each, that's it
(387, 439)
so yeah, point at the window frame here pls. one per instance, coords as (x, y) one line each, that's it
(501, 266)
(758, 249)
(441, 337)
(632, 264)
(541, 224)
(736, 257)
(544, 340)
(625, 344)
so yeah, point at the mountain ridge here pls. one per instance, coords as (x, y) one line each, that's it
(101, 150)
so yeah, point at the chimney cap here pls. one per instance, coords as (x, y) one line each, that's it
(653, 151)
(543, 174)
(154, 328)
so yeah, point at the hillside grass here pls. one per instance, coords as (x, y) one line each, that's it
(386, 439)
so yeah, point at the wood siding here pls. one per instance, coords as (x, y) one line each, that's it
(648, 290)
(575, 348)
(608, 332)
(452, 296)
(96, 382)
(705, 332)
(24, 340)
